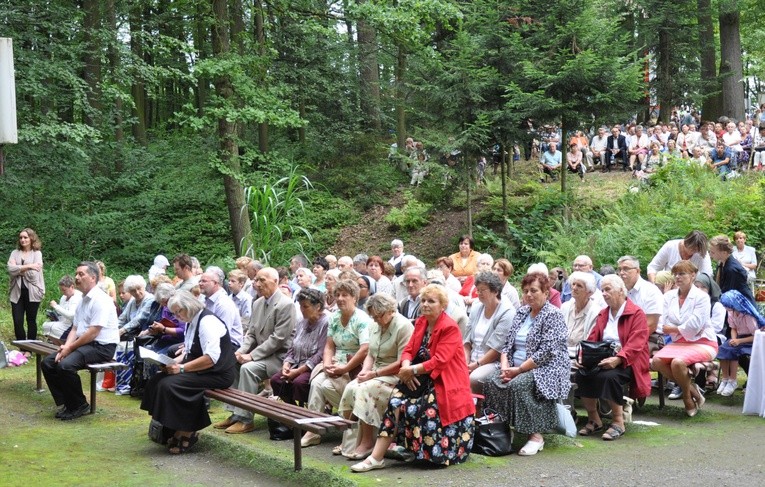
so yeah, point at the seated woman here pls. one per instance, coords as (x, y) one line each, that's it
(490, 320)
(446, 265)
(375, 268)
(622, 322)
(175, 397)
(366, 397)
(344, 352)
(535, 369)
(330, 279)
(169, 330)
(468, 291)
(437, 424)
(717, 319)
(743, 320)
(304, 278)
(367, 288)
(292, 383)
(581, 311)
(504, 269)
(686, 321)
(138, 310)
(56, 331)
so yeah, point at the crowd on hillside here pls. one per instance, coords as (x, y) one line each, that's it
(404, 350)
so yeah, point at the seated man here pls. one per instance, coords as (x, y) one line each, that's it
(551, 160)
(638, 149)
(64, 310)
(699, 157)
(616, 146)
(269, 336)
(598, 147)
(93, 339)
(720, 159)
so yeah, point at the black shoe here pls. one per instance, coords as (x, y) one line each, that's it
(76, 413)
(61, 412)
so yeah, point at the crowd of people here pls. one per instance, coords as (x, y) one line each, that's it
(407, 352)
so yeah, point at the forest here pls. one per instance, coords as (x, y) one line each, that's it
(226, 127)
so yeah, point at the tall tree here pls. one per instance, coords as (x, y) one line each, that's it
(731, 65)
(711, 105)
(370, 74)
(91, 28)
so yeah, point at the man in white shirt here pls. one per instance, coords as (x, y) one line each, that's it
(693, 247)
(93, 339)
(217, 301)
(598, 147)
(64, 309)
(643, 293)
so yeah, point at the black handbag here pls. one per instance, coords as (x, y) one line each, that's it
(492, 436)
(159, 433)
(426, 383)
(278, 431)
(591, 353)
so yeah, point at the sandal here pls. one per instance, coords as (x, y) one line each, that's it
(590, 428)
(183, 444)
(613, 433)
(338, 450)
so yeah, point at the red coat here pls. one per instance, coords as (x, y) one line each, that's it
(633, 335)
(447, 367)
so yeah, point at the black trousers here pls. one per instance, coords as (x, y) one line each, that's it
(25, 307)
(62, 379)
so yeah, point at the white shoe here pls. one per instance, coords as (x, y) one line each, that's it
(532, 448)
(722, 386)
(369, 464)
(730, 388)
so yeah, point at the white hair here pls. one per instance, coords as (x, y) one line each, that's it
(133, 283)
(584, 277)
(396, 243)
(485, 258)
(615, 281)
(538, 267)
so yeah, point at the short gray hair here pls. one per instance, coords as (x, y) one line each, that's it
(396, 243)
(362, 258)
(133, 283)
(187, 302)
(629, 258)
(163, 292)
(585, 278)
(92, 267)
(66, 281)
(538, 267)
(489, 279)
(380, 303)
(421, 271)
(614, 281)
(216, 272)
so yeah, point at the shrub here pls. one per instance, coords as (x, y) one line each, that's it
(411, 216)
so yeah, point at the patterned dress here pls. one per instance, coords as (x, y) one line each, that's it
(416, 425)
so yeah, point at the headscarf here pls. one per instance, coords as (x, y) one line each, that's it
(712, 288)
(736, 301)
(371, 283)
(160, 264)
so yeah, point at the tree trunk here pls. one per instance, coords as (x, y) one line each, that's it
(228, 149)
(401, 106)
(260, 36)
(503, 175)
(92, 57)
(711, 107)
(114, 64)
(137, 90)
(731, 66)
(370, 75)
(200, 46)
(664, 89)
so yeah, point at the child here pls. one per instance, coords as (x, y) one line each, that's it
(743, 319)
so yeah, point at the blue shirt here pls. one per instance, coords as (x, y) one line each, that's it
(550, 159)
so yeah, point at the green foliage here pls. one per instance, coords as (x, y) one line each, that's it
(411, 216)
(274, 207)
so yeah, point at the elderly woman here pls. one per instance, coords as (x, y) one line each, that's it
(304, 278)
(366, 397)
(686, 321)
(344, 352)
(468, 291)
(435, 424)
(581, 311)
(745, 254)
(175, 397)
(169, 330)
(138, 311)
(333, 275)
(466, 260)
(27, 285)
(624, 323)
(535, 369)
(292, 383)
(730, 274)
(487, 330)
(504, 269)
(375, 269)
(446, 265)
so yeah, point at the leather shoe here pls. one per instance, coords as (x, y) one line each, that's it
(221, 425)
(310, 439)
(238, 428)
(61, 412)
(369, 464)
(76, 413)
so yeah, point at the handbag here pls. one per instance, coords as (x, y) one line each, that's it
(591, 353)
(426, 383)
(159, 433)
(492, 436)
(278, 431)
(566, 424)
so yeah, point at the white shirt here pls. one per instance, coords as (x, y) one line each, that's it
(478, 334)
(97, 309)
(611, 332)
(211, 329)
(598, 143)
(225, 309)
(66, 307)
(669, 255)
(243, 302)
(384, 286)
(746, 256)
(509, 292)
(693, 319)
(647, 297)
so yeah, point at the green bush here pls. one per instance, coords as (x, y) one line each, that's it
(411, 216)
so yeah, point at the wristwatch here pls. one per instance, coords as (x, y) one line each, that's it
(181, 368)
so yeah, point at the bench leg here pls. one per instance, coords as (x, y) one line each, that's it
(93, 379)
(660, 380)
(38, 364)
(297, 434)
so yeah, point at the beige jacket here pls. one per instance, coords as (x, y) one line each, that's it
(33, 280)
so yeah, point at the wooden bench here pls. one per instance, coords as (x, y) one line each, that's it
(698, 368)
(43, 349)
(296, 417)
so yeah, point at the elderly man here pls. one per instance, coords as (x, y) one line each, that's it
(397, 255)
(332, 261)
(360, 263)
(582, 263)
(269, 336)
(94, 338)
(643, 293)
(345, 263)
(217, 301)
(415, 279)
(598, 147)
(252, 269)
(551, 160)
(400, 290)
(616, 146)
(183, 265)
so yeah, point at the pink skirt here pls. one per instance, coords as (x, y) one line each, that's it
(689, 352)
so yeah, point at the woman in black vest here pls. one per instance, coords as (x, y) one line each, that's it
(175, 397)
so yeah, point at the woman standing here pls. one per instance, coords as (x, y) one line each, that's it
(465, 261)
(730, 273)
(535, 368)
(435, 424)
(27, 286)
(366, 397)
(106, 283)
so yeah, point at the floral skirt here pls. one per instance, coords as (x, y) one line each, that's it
(415, 424)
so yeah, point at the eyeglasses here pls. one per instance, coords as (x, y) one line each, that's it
(624, 270)
(577, 266)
